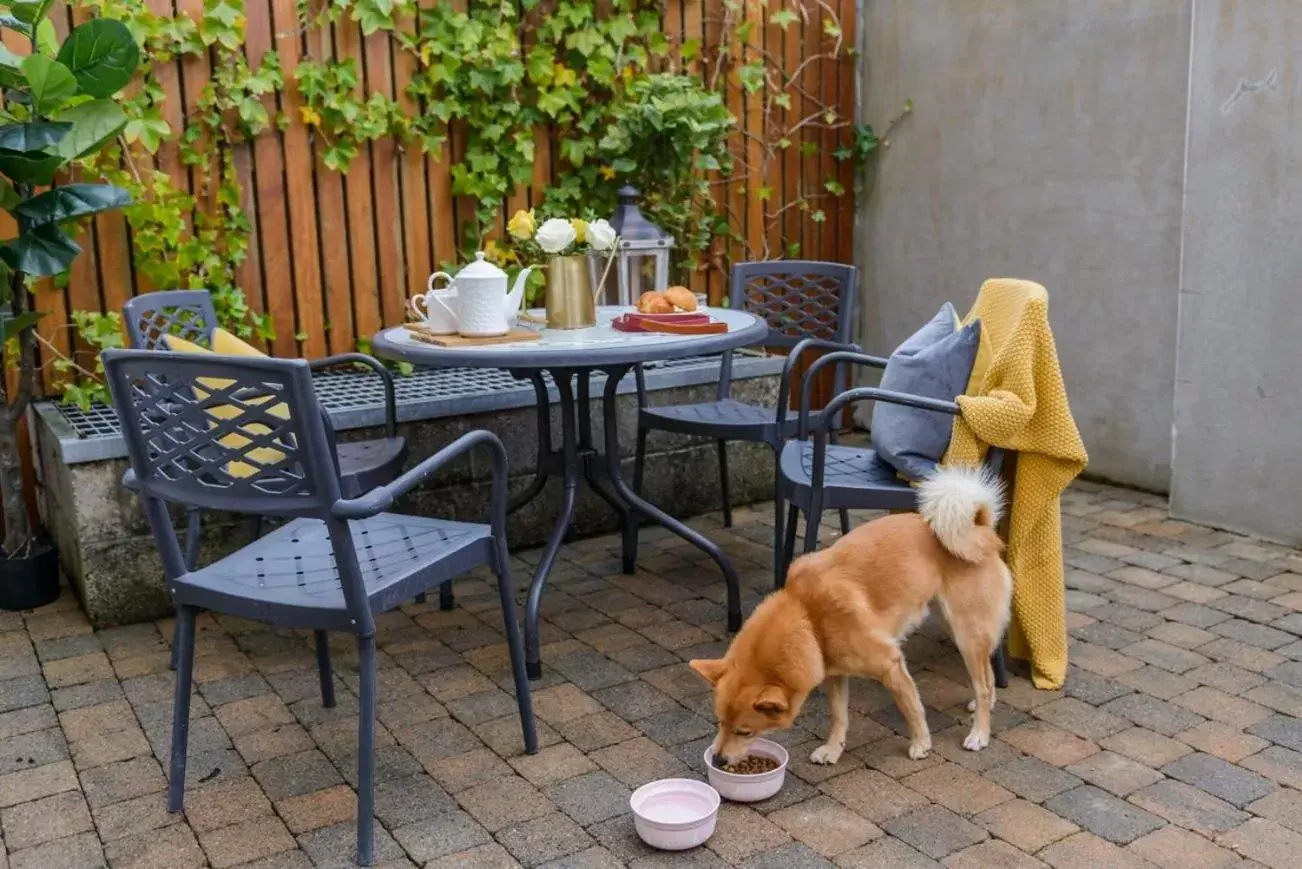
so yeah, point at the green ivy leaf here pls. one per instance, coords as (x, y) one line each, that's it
(72, 201)
(752, 76)
(834, 187)
(92, 124)
(818, 216)
(102, 55)
(51, 83)
(41, 252)
(784, 18)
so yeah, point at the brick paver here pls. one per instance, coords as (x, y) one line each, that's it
(1177, 741)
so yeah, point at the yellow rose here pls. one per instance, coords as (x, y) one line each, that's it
(580, 229)
(522, 225)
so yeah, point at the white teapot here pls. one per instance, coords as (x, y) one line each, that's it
(484, 309)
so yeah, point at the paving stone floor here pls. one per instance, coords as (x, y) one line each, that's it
(1177, 742)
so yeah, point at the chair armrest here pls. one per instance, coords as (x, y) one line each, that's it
(381, 498)
(827, 417)
(848, 357)
(784, 384)
(390, 395)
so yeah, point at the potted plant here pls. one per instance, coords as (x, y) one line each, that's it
(57, 108)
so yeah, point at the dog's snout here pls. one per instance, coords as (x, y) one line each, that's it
(720, 760)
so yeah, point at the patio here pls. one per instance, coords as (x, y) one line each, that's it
(1172, 745)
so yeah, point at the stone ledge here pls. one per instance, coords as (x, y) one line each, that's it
(112, 563)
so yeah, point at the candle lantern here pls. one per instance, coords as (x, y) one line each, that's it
(642, 256)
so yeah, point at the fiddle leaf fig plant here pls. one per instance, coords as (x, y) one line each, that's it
(57, 107)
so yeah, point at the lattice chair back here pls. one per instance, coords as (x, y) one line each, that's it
(188, 314)
(224, 433)
(798, 299)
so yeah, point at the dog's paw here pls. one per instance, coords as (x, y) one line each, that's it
(827, 754)
(976, 740)
(920, 749)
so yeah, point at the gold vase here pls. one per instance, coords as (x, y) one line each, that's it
(569, 293)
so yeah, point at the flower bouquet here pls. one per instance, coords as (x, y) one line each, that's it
(573, 249)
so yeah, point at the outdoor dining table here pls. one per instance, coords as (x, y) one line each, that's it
(570, 357)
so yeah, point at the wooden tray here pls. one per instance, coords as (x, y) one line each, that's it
(421, 332)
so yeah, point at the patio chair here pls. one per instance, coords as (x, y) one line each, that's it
(799, 300)
(815, 475)
(363, 465)
(249, 436)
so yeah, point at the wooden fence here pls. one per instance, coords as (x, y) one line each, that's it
(333, 256)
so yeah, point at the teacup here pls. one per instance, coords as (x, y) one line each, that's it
(426, 307)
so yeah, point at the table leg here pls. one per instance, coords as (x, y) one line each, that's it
(546, 455)
(570, 477)
(593, 472)
(646, 508)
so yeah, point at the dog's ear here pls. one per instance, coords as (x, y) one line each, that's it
(772, 700)
(711, 669)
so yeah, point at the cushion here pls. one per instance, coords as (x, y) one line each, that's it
(233, 346)
(935, 362)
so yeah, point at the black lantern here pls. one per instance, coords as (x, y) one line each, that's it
(643, 252)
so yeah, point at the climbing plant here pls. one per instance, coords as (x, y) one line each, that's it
(481, 85)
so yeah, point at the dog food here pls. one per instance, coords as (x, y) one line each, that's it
(751, 764)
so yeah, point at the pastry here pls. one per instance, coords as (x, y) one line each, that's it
(654, 303)
(681, 298)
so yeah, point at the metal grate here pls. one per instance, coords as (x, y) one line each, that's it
(343, 391)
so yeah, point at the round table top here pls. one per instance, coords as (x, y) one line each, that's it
(594, 347)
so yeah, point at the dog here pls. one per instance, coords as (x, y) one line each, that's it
(845, 611)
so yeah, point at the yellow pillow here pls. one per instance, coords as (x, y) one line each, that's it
(233, 346)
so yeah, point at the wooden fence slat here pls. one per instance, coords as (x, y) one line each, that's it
(359, 205)
(308, 302)
(385, 166)
(417, 239)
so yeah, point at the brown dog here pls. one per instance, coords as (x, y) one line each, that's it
(845, 611)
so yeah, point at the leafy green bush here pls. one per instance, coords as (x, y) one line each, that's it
(57, 108)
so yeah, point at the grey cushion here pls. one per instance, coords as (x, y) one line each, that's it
(935, 362)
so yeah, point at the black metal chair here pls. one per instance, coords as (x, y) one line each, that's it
(799, 300)
(249, 436)
(363, 465)
(815, 475)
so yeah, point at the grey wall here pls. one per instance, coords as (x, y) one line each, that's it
(1238, 414)
(1047, 142)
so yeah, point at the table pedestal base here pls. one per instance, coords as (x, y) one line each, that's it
(578, 459)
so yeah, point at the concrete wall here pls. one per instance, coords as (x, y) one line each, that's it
(1047, 142)
(1238, 414)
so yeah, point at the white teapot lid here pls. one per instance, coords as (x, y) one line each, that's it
(481, 268)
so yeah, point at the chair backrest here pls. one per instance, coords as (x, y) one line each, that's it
(188, 314)
(798, 299)
(224, 433)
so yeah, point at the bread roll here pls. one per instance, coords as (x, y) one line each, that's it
(681, 298)
(654, 303)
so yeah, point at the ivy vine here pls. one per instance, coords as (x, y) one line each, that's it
(613, 90)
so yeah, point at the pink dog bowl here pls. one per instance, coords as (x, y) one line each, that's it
(675, 814)
(750, 788)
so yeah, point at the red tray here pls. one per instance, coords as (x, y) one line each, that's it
(670, 324)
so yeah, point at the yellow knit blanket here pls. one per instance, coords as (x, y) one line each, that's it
(1016, 401)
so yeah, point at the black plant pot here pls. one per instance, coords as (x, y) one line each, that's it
(29, 582)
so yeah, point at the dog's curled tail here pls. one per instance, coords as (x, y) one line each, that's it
(963, 505)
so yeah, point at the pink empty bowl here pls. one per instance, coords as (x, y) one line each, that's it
(750, 788)
(675, 814)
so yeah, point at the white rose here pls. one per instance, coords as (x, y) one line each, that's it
(601, 235)
(555, 235)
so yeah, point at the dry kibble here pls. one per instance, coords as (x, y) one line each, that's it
(751, 764)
